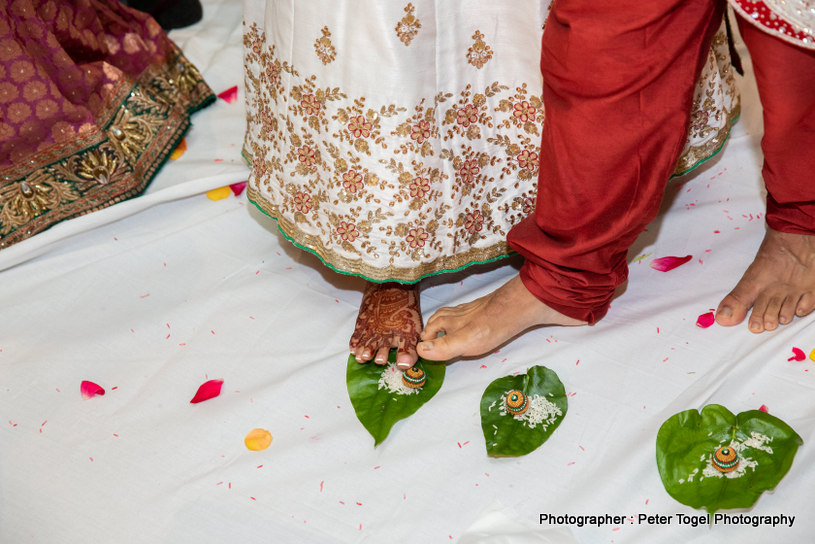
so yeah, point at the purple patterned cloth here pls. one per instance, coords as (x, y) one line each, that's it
(93, 99)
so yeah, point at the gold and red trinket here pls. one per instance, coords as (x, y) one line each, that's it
(414, 377)
(516, 402)
(725, 459)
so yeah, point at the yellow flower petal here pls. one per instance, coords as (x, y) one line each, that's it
(179, 150)
(219, 194)
(812, 354)
(258, 439)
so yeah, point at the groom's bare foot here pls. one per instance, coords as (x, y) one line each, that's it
(779, 285)
(389, 317)
(480, 326)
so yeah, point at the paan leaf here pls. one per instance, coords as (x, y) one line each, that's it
(509, 435)
(377, 407)
(687, 441)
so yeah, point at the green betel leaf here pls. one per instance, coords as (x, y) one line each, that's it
(688, 441)
(377, 407)
(509, 435)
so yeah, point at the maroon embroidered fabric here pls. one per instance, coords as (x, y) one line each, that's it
(93, 98)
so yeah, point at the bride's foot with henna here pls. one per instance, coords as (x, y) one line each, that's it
(778, 285)
(389, 317)
(478, 327)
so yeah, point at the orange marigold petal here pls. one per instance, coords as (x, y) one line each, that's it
(179, 149)
(258, 439)
(219, 194)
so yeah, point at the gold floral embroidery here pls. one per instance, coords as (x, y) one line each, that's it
(398, 191)
(97, 165)
(324, 48)
(479, 53)
(31, 197)
(130, 132)
(408, 26)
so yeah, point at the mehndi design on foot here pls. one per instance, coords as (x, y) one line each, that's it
(389, 317)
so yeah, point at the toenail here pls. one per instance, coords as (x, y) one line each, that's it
(426, 346)
(726, 312)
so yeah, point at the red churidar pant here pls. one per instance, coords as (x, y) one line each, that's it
(618, 89)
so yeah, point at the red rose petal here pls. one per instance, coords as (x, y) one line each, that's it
(89, 389)
(663, 264)
(797, 355)
(238, 188)
(208, 390)
(230, 95)
(764, 408)
(705, 320)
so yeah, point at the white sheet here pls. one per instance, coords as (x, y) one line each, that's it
(151, 304)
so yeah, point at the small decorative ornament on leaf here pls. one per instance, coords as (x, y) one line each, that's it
(516, 402)
(414, 377)
(664, 264)
(90, 389)
(725, 459)
(207, 390)
(519, 413)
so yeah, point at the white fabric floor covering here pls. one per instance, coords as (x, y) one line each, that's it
(151, 304)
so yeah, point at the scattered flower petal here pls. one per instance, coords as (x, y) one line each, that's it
(663, 264)
(230, 95)
(797, 355)
(89, 389)
(258, 439)
(208, 390)
(218, 194)
(764, 408)
(812, 354)
(705, 320)
(179, 150)
(238, 188)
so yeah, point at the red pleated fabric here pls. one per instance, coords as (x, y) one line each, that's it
(618, 88)
(785, 75)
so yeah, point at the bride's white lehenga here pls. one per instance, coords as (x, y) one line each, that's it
(396, 140)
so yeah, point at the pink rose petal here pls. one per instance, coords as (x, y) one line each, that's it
(764, 408)
(663, 264)
(238, 188)
(230, 95)
(797, 355)
(705, 320)
(89, 389)
(208, 390)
